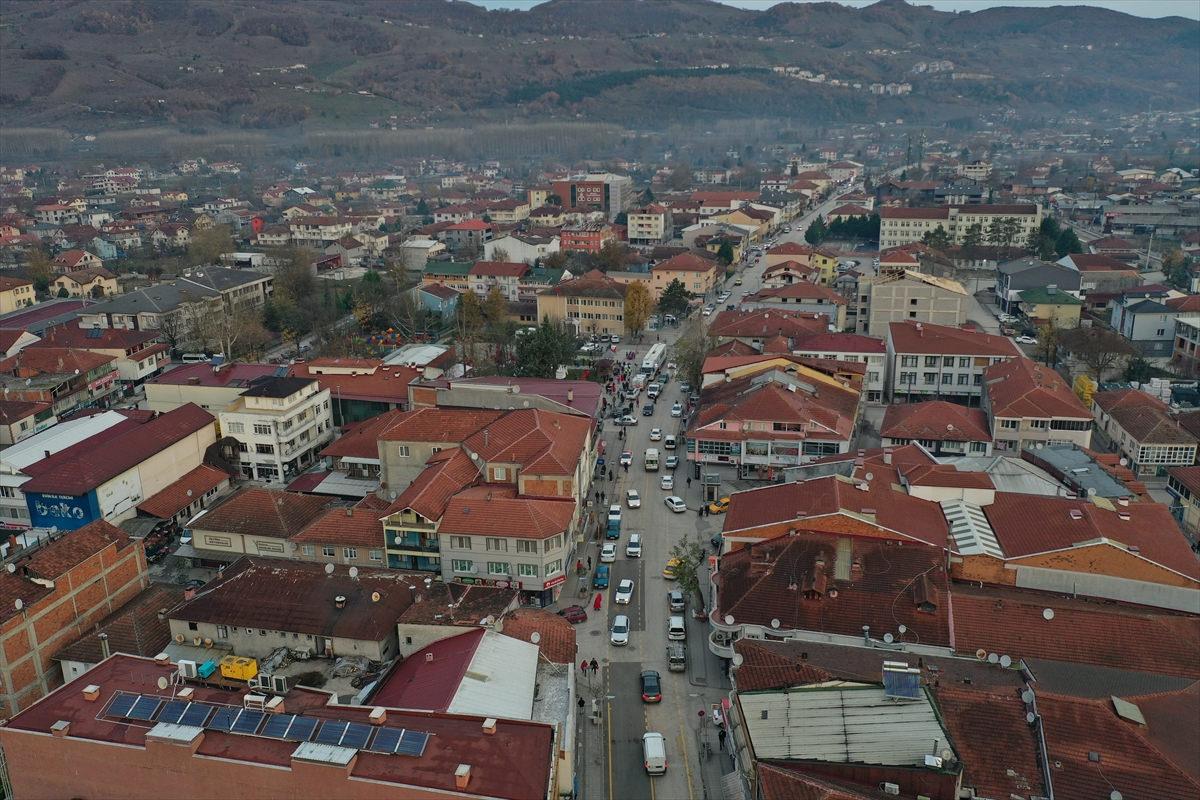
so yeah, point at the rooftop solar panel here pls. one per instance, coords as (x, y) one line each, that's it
(385, 740)
(331, 732)
(173, 711)
(277, 726)
(412, 743)
(247, 721)
(196, 714)
(121, 703)
(301, 730)
(223, 720)
(356, 735)
(144, 708)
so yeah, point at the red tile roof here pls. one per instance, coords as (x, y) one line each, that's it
(16, 410)
(935, 420)
(1187, 477)
(541, 442)
(1144, 417)
(556, 636)
(850, 210)
(880, 505)
(445, 474)
(168, 502)
(500, 269)
(800, 290)
(765, 323)
(134, 628)
(1095, 262)
(470, 225)
(829, 412)
(783, 781)
(1104, 633)
(839, 343)
(997, 747)
(262, 512)
(791, 578)
(1028, 524)
(732, 348)
(86, 465)
(590, 284)
(236, 375)
(361, 440)
(439, 424)
(929, 339)
(896, 212)
(498, 511)
(1021, 387)
(345, 527)
(34, 361)
(382, 384)
(687, 262)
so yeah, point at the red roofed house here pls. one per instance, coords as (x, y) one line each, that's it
(87, 282)
(359, 388)
(504, 275)
(1142, 429)
(15, 293)
(587, 237)
(253, 521)
(942, 428)
(58, 591)
(181, 500)
(756, 327)
(847, 211)
(73, 260)
(469, 235)
(699, 274)
(927, 361)
(20, 419)
(786, 273)
(801, 296)
(591, 303)
(850, 347)
(1031, 404)
(64, 377)
(804, 254)
(139, 354)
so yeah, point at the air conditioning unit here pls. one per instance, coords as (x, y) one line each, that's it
(279, 684)
(260, 681)
(187, 669)
(302, 655)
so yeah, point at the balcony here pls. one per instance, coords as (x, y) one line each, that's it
(721, 643)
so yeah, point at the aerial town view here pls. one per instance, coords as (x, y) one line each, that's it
(600, 399)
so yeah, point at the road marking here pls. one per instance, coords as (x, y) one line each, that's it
(608, 712)
(683, 750)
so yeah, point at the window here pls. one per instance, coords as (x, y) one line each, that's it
(908, 361)
(310, 549)
(499, 473)
(264, 449)
(977, 379)
(261, 429)
(235, 427)
(495, 544)
(963, 379)
(930, 377)
(402, 451)
(947, 361)
(1159, 332)
(978, 447)
(947, 378)
(498, 568)
(376, 555)
(462, 565)
(931, 361)
(1009, 424)
(328, 551)
(964, 363)
(912, 315)
(912, 302)
(222, 632)
(349, 552)
(460, 542)
(193, 626)
(553, 568)
(262, 631)
(527, 546)
(527, 570)
(7, 491)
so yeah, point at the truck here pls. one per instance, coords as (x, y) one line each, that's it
(654, 358)
(652, 459)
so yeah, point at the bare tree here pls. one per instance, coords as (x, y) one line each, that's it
(1101, 350)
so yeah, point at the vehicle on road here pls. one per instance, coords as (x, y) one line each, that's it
(648, 410)
(669, 569)
(614, 512)
(632, 498)
(654, 357)
(677, 409)
(651, 459)
(676, 629)
(634, 548)
(676, 504)
(669, 443)
(667, 483)
(719, 506)
(626, 458)
(654, 753)
(600, 579)
(651, 687)
(1026, 340)
(676, 656)
(653, 391)
(655, 434)
(608, 553)
(630, 355)
(708, 310)
(616, 338)
(737, 282)
(676, 601)
(618, 634)
(624, 595)
(573, 614)
(672, 462)
(627, 420)
(717, 542)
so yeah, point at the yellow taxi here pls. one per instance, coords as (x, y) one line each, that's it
(719, 506)
(669, 570)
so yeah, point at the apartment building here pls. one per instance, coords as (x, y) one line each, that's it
(1184, 357)
(15, 293)
(941, 427)
(66, 378)
(1023, 274)
(586, 237)
(699, 274)
(850, 347)
(601, 191)
(801, 296)
(139, 354)
(909, 296)
(591, 303)
(649, 225)
(507, 276)
(937, 361)
(1142, 429)
(281, 424)
(904, 225)
(1030, 404)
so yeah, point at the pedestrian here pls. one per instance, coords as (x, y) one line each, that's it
(689, 482)
(589, 563)
(610, 474)
(580, 703)
(595, 666)
(603, 497)
(700, 511)
(583, 666)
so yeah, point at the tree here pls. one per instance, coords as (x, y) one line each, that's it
(422, 208)
(816, 231)
(39, 269)
(499, 254)
(554, 200)
(1099, 349)
(691, 348)
(469, 324)
(972, 237)
(611, 256)
(1047, 345)
(556, 260)
(495, 308)
(1177, 270)
(207, 247)
(1067, 243)
(674, 299)
(298, 307)
(541, 352)
(1139, 370)
(638, 307)
(690, 554)
(232, 331)
(937, 238)
(725, 253)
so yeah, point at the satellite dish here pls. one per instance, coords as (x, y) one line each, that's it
(738, 658)
(981, 654)
(729, 619)
(1114, 795)
(19, 603)
(869, 476)
(329, 569)
(163, 683)
(775, 623)
(1124, 462)
(353, 572)
(888, 638)
(1030, 717)
(1006, 661)
(1027, 696)
(1048, 614)
(903, 629)
(11, 567)
(993, 658)
(375, 597)
(535, 637)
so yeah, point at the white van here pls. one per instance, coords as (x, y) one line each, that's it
(633, 548)
(676, 629)
(654, 753)
(193, 358)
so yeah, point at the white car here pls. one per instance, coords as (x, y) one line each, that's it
(614, 512)
(708, 310)
(1026, 340)
(626, 458)
(624, 595)
(677, 410)
(608, 553)
(627, 420)
(676, 504)
(632, 498)
(615, 339)
(618, 634)
(655, 434)
(666, 482)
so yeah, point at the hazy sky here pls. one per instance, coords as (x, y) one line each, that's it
(1141, 8)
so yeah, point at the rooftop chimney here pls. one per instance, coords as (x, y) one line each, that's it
(378, 715)
(105, 652)
(91, 693)
(339, 601)
(60, 728)
(489, 726)
(462, 776)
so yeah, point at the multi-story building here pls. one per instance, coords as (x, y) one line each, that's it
(469, 235)
(909, 296)
(801, 296)
(1147, 324)
(1014, 223)
(15, 293)
(139, 354)
(767, 331)
(521, 247)
(1014, 277)
(1141, 428)
(318, 232)
(602, 191)
(20, 419)
(937, 361)
(210, 387)
(823, 260)
(850, 347)
(255, 522)
(1100, 273)
(649, 225)
(1051, 307)
(1030, 404)
(66, 378)
(506, 276)
(586, 237)
(591, 303)
(280, 424)
(1184, 356)
(508, 212)
(699, 274)
(941, 427)
(58, 589)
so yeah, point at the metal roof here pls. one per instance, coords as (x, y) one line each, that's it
(970, 530)
(852, 724)
(1010, 474)
(500, 679)
(58, 437)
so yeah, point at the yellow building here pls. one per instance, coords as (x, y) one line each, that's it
(805, 255)
(91, 282)
(591, 303)
(1049, 306)
(698, 274)
(15, 293)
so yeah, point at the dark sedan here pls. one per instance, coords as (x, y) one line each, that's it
(651, 687)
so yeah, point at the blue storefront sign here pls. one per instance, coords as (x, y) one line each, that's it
(62, 511)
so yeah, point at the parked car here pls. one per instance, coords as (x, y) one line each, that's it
(669, 443)
(676, 601)
(627, 420)
(669, 568)
(632, 498)
(672, 462)
(608, 553)
(1026, 340)
(651, 687)
(624, 594)
(614, 513)
(676, 504)
(615, 338)
(573, 614)
(618, 634)
(633, 549)
(719, 506)
(600, 579)
(708, 310)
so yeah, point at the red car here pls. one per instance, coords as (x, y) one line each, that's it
(573, 614)
(651, 687)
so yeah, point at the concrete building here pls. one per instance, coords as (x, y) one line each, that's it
(1141, 428)
(211, 386)
(936, 361)
(521, 247)
(904, 225)
(601, 191)
(280, 424)
(139, 354)
(650, 225)
(909, 296)
(699, 274)
(801, 296)
(15, 293)
(1147, 324)
(942, 428)
(1030, 404)
(591, 303)
(851, 347)
(1014, 277)
(252, 521)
